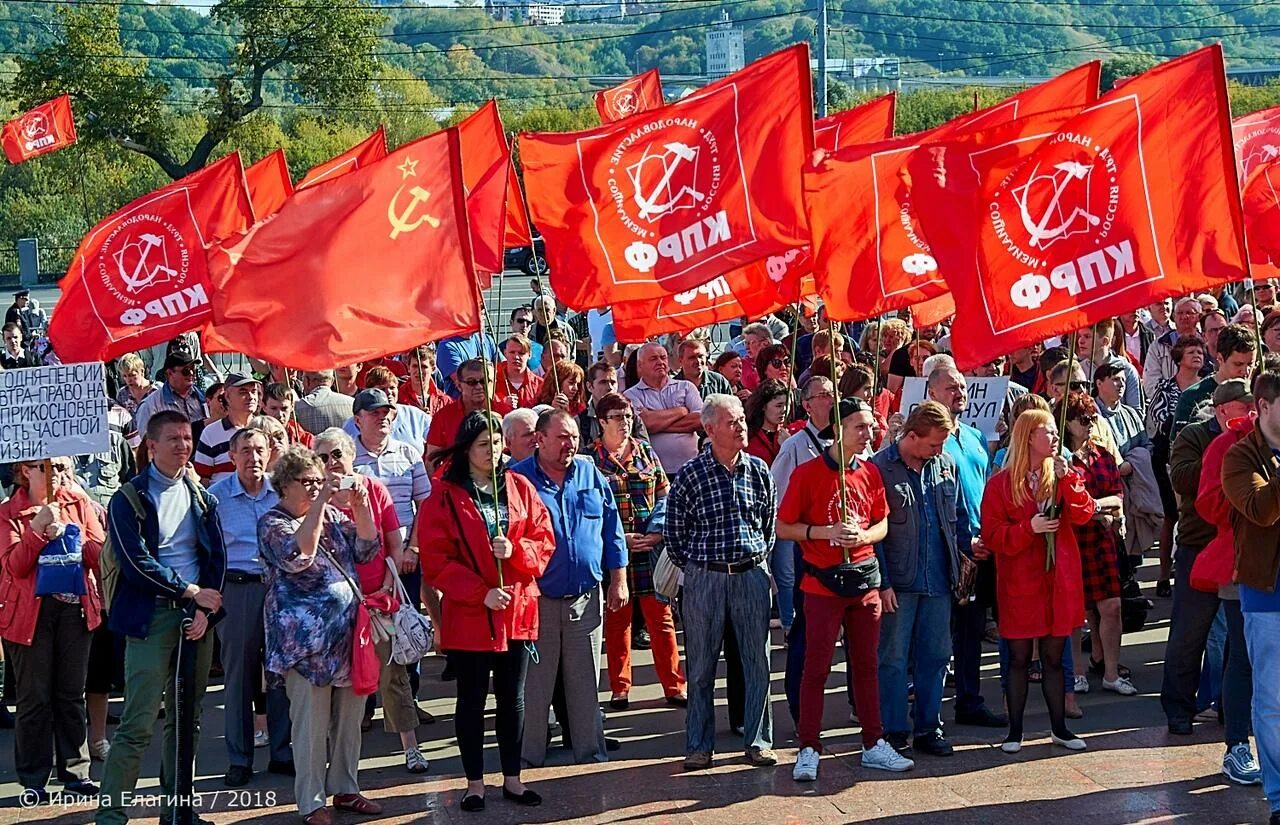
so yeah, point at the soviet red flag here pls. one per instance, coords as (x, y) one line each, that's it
(753, 290)
(642, 93)
(46, 128)
(517, 222)
(485, 161)
(371, 262)
(269, 184)
(1040, 231)
(866, 123)
(370, 150)
(663, 201)
(890, 264)
(933, 311)
(140, 276)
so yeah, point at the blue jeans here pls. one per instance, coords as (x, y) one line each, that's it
(710, 600)
(1262, 633)
(1210, 691)
(783, 565)
(918, 633)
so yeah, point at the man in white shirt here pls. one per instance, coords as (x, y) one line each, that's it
(670, 408)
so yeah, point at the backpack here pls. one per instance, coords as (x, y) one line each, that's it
(109, 564)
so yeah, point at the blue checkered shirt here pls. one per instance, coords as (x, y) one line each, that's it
(238, 515)
(715, 514)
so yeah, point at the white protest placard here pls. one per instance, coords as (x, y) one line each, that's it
(986, 401)
(53, 411)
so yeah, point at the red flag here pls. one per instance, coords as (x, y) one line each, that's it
(661, 202)
(642, 93)
(46, 128)
(1042, 231)
(370, 150)
(751, 291)
(1262, 218)
(269, 184)
(890, 264)
(1256, 137)
(867, 123)
(141, 276)
(933, 311)
(485, 161)
(517, 222)
(372, 262)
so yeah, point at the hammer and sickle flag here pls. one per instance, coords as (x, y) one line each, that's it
(870, 254)
(371, 262)
(865, 123)
(141, 276)
(46, 128)
(370, 150)
(269, 184)
(663, 201)
(1040, 230)
(642, 93)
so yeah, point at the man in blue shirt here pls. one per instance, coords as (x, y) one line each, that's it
(589, 543)
(244, 497)
(920, 562)
(452, 352)
(968, 450)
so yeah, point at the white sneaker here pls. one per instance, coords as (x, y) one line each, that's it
(1121, 686)
(884, 758)
(415, 762)
(261, 739)
(1011, 745)
(98, 750)
(806, 769)
(1082, 684)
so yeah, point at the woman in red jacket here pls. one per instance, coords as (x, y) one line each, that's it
(1039, 598)
(48, 636)
(469, 534)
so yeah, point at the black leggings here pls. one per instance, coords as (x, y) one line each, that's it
(472, 669)
(1051, 685)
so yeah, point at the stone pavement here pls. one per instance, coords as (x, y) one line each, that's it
(1133, 772)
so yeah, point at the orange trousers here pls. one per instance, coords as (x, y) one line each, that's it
(662, 639)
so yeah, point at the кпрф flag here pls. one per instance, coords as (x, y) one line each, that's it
(641, 93)
(46, 128)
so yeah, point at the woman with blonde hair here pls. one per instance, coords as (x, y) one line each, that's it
(135, 386)
(1039, 590)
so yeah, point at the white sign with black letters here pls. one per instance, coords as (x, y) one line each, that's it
(986, 401)
(53, 411)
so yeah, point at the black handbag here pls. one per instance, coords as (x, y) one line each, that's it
(850, 580)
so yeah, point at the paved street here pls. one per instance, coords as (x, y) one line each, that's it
(1133, 772)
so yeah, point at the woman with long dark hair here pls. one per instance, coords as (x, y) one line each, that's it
(767, 419)
(483, 547)
(1039, 591)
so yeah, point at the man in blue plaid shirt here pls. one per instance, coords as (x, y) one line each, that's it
(719, 531)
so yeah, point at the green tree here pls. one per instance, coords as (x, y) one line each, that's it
(1123, 67)
(323, 53)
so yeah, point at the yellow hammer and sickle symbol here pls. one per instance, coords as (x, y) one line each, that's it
(400, 222)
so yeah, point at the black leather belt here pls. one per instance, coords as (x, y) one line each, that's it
(730, 567)
(239, 577)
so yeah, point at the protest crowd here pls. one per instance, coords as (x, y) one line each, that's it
(534, 497)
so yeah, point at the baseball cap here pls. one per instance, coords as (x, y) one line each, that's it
(1235, 389)
(179, 357)
(848, 406)
(371, 399)
(239, 379)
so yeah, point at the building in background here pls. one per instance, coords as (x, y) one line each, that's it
(725, 53)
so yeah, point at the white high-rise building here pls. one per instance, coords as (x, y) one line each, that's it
(725, 53)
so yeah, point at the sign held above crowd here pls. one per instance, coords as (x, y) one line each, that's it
(53, 411)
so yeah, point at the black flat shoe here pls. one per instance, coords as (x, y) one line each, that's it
(620, 702)
(528, 798)
(1164, 590)
(679, 700)
(472, 804)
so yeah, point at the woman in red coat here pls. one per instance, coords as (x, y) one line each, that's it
(48, 636)
(1038, 598)
(466, 532)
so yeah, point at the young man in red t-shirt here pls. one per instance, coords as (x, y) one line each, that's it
(811, 514)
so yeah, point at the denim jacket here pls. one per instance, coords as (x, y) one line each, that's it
(899, 553)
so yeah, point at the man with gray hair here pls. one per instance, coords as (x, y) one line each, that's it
(519, 432)
(669, 408)
(755, 337)
(720, 532)
(321, 407)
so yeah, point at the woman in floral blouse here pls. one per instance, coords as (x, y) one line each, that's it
(638, 485)
(311, 550)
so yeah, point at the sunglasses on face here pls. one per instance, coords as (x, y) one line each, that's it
(619, 417)
(334, 455)
(187, 371)
(523, 321)
(779, 363)
(472, 382)
(310, 483)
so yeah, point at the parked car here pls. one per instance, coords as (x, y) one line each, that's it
(522, 258)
